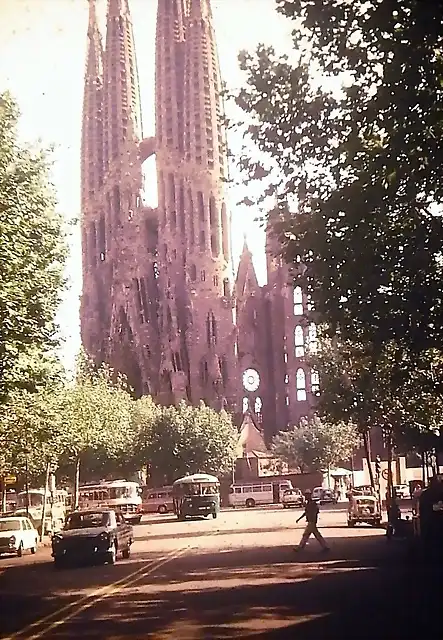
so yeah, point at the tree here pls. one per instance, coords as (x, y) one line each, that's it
(357, 154)
(185, 439)
(97, 426)
(316, 445)
(28, 434)
(33, 249)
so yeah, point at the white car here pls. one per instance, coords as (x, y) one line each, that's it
(292, 498)
(17, 535)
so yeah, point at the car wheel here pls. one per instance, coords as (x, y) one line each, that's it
(34, 548)
(250, 502)
(351, 523)
(162, 509)
(126, 553)
(20, 550)
(112, 554)
(214, 515)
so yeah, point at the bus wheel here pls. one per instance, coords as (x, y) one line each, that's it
(214, 515)
(250, 502)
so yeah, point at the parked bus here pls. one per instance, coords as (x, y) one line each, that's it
(250, 494)
(55, 512)
(115, 494)
(196, 495)
(157, 500)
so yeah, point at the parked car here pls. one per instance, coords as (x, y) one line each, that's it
(292, 498)
(324, 496)
(402, 491)
(98, 534)
(17, 534)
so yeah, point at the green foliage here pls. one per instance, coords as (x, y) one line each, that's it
(96, 409)
(316, 445)
(349, 134)
(33, 249)
(174, 441)
(29, 433)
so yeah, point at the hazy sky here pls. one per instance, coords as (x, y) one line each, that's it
(42, 52)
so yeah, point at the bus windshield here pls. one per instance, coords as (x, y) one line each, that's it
(199, 489)
(129, 491)
(35, 500)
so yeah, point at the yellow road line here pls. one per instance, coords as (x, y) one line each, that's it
(91, 599)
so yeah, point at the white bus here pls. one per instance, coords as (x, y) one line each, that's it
(55, 512)
(115, 494)
(158, 500)
(250, 494)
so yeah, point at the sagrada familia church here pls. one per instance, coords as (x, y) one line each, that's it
(162, 302)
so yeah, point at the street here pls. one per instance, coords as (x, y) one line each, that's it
(233, 577)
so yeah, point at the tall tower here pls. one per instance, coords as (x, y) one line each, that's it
(198, 336)
(93, 311)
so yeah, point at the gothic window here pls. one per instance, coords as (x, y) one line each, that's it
(193, 272)
(287, 401)
(258, 405)
(211, 329)
(301, 385)
(226, 288)
(298, 301)
(191, 219)
(202, 276)
(102, 238)
(315, 382)
(182, 209)
(117, 203)
(155, 270)
(299, 342)
(225, 231)
(202, 239)
(312, 338)
(201, 206)
(286, 379)
(245, 405)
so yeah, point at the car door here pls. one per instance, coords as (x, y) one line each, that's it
(122, 531)
(24, 534)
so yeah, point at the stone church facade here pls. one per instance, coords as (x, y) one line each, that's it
(160, 300)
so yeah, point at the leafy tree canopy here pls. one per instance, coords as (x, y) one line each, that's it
(33, 249)
(316, 445)
(174, 441)
(348, 132)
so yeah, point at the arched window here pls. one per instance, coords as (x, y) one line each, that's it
(312, 338)
(193, 273)
(315, 382)
(245, 404)
(258, 405)
(298, 301)
(301, 385)
(299, 342)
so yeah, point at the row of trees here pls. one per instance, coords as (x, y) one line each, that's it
(349, 135)
(95, 428)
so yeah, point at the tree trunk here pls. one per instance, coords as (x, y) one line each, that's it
(367, 447)
(45, 499)
(77, 482)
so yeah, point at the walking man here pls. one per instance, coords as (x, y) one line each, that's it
(311, 515)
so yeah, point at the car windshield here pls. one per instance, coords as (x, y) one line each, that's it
(9, 525)
(87, 520)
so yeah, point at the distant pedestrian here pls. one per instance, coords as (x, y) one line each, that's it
(311, 514)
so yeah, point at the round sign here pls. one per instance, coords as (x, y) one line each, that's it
(385, 474)
(251, 380)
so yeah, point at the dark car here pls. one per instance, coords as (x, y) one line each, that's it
(98, 534)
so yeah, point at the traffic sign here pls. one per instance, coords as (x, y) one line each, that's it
(10, 479)
(385, 474)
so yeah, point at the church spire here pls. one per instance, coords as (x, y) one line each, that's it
(92, 127)
(169, 71)
(122, 111)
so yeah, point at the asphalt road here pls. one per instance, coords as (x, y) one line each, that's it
(234, 577)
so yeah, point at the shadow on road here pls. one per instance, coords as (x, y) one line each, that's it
(364, 589)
